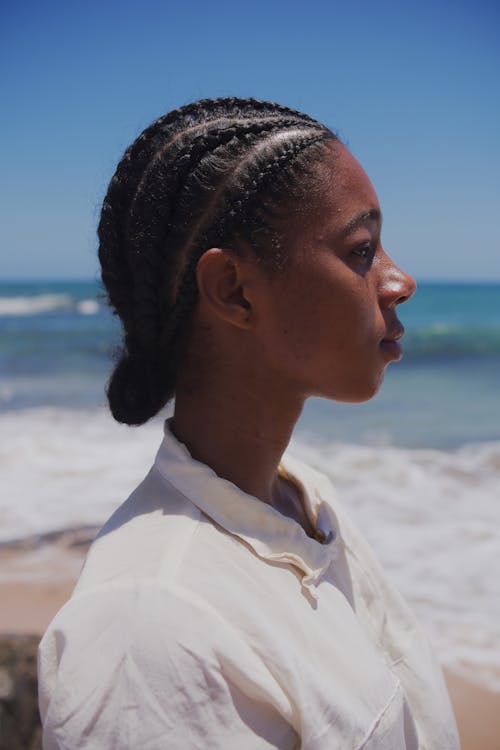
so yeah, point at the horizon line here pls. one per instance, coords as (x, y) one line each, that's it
(96, 280)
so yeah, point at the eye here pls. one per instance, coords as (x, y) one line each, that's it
(364, 252)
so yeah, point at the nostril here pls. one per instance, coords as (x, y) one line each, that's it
(404, 297)
(409, 285)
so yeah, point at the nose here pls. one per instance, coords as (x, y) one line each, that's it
(396, 286)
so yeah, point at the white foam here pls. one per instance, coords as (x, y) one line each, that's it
(34, 305)
(45, 303)
(63, 468)
(433, 517)
(88, 307)
(6, 393)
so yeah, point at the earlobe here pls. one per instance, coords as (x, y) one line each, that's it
(222, 279)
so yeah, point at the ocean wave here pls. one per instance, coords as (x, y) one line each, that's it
(46, 303)
(443, 339)
(88, 307)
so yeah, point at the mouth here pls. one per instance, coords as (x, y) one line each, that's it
(390, 343)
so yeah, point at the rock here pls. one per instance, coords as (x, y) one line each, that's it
(20, 727)
(6, 685)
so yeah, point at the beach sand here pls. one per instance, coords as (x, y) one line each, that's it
(28, 605)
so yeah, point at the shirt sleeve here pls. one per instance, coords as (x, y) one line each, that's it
(149, 668)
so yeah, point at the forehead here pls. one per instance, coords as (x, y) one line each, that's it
(338, 192)
(346, 189)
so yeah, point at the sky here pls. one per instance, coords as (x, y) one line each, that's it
(411, 88)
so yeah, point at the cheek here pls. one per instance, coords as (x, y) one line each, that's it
(306, 327)
(323, 320)
(340, 317)
(288, 326)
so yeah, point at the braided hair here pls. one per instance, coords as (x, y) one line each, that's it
(210, 174)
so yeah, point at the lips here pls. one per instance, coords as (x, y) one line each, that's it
(394, 334)
(390, 344)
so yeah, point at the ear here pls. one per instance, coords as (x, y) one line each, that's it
(224, 284)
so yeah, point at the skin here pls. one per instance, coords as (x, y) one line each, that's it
(263, 342)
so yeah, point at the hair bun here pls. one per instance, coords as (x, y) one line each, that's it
(136, 391)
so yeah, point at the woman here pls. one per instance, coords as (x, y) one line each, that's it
(229, 602)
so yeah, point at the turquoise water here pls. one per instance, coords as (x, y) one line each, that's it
(57, 339)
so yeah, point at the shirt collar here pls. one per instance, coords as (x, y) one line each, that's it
(270, 534)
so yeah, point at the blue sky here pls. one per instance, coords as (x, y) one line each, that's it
(412, 88)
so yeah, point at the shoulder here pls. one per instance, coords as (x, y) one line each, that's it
(141, 619)
(134, 663)
(146, 538)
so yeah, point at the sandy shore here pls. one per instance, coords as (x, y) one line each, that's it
(29, 604)
(477, 711)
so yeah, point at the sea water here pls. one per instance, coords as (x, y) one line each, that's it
(418, 467)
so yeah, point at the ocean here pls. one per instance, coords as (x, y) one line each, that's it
(418, 467)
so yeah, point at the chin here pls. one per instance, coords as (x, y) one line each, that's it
(359, 392)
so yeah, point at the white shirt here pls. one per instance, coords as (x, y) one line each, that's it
(203, 618)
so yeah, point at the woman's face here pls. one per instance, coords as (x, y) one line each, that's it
(328, 323)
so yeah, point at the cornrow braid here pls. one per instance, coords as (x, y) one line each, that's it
(203, 175)
(139, 154)
(145, 211)
(241, 207)
(207, 203)
(150, 212)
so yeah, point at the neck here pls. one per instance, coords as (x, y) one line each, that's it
(241, 431)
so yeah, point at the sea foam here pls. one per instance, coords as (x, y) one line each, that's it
(432, 517)
(45, 303)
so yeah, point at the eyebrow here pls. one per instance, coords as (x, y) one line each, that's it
(374, 214)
